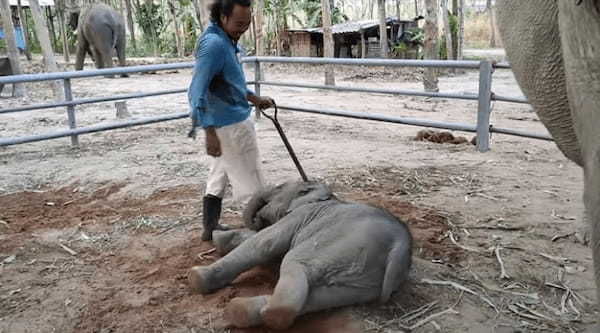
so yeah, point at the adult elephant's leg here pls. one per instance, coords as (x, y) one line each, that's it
(288, 298)
(269, 244)
(97, 56)
(580, 36)
(82, 47)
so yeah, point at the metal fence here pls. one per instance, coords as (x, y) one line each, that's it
(484, 96)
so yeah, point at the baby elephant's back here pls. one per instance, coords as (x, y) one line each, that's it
(354, 222)
(349, 243)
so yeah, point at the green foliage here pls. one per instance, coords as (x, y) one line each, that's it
(443, 50)
(313, 11)
(150, 19)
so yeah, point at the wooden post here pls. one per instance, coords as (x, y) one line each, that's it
(383, 38)
(44, 37)
(363, 44)
(327, 42)
(11, 45)
(430, 79)
(121, 108)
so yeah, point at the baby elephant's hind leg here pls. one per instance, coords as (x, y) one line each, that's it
(244, 312)
(288, 298)
(328, 297)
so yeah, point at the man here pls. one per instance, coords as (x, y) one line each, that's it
(218, 99)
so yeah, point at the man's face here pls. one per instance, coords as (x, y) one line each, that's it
(238, 22)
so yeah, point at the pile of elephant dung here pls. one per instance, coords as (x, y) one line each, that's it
(441, 137)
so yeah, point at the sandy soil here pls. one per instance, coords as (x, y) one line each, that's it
(99, 238)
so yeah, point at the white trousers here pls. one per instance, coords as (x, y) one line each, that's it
(239, 163)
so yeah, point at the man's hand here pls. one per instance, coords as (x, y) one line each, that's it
(262, 102)
(213, 145)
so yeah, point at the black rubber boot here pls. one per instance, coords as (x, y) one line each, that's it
(210, 216)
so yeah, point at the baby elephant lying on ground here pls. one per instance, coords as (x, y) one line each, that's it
(335, 253)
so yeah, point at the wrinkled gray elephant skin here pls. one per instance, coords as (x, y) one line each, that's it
(333, 253)
(100, 31)
(554, 50)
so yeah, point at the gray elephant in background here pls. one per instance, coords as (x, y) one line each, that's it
(100, 31)
(554, 50)
(334, 253)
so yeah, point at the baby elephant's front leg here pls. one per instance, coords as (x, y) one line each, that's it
(269, 244)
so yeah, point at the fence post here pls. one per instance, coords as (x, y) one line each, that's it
(257, 79)
(484, 108)
(71, 111)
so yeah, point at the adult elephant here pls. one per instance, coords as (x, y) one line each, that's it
(100, 31)
(554, 49)
(334, 253)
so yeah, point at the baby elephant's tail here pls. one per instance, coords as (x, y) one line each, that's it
(398, 266)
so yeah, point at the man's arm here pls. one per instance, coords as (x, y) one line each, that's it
(209, 62)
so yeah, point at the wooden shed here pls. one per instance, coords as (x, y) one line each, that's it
(359, 39)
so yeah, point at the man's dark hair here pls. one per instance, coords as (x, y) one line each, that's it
(225, 7)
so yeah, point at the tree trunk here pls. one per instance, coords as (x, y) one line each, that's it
(490, 11)
(383, 37)
(11, 45)
(327, 42)
(398, 9)
(461, 30)
(50, 23)
(25, 30)
(430, 79)
(416, 8)
(259, 25)
(47, 52)
(448, 32)
(131, 24)
(178, 41)
(372, 9)
(455, 33)
(63, 33)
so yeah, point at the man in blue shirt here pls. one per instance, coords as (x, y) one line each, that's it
(218, 99)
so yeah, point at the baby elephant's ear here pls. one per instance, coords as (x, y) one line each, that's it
(313, 192)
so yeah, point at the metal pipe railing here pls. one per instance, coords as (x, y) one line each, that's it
(94, 72)
(367, 62)
(484, 97)
(367, 90)
(91, 101)
(91, 129)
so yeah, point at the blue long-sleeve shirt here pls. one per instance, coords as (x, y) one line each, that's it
(217, 94)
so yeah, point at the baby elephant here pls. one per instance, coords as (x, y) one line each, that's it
(334, 253)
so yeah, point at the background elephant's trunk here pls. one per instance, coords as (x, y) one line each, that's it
(251, 220)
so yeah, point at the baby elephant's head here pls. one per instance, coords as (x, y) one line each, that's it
(270, 205)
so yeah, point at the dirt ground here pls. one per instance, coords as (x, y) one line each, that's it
(99, 238)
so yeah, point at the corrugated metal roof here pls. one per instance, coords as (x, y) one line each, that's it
(348, 27)
(25, 3)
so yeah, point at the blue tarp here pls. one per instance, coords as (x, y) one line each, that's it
(18, 35)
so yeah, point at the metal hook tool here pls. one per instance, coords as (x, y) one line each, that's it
(285, 140)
